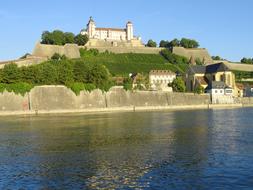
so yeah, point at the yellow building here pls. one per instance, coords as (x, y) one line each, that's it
(203, 76)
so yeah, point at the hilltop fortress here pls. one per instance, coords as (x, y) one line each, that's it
(115, 40)
(111, 36)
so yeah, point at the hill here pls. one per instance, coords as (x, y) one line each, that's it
(125, 63)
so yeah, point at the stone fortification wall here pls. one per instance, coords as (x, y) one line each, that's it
(181, 99)
(25, 62)
(43, 50)
(235, 66)
(13, 102)
(106, 43)
(118, 97)
(145, 50)
(46, 99)
(195, 53)
(62, 98)
(245, 100)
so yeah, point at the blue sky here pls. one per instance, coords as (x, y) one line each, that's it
(224, 27)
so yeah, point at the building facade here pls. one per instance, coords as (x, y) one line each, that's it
(160, 79)
(214, 78)
(110, 34)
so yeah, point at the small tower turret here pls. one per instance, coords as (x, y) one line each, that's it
(130, 31)
(91, 28)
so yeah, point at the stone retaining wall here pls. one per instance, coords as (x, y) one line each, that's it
(59, 99)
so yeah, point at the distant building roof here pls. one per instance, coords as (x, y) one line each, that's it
(161, 72)
(218, 67)
(212, 68)
(198, 69)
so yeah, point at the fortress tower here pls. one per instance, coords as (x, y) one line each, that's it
(130, 31)
(91, 28)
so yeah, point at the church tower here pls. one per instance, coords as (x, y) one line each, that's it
(91, 28)
(130, 31)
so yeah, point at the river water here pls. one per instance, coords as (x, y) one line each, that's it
(203, 149)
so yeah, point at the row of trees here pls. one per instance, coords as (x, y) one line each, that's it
(60, 71)
(57, 37)
(247, 60)
(184, 42)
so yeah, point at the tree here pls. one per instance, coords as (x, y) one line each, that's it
(247, 60)
(46, 38)
(81, 40)
(11, 73)
(151, 43)
(174, 43)
(164, 43)
(81, 70)
(216, 57)
(99, 75)
(189, 43)
(47, 74)
(178, 85)
(69, 38)
(30, 74)
(65, 72)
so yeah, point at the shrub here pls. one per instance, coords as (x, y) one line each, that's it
(11, 73)
(99, 75)
(47, 74)
(81, 40)
(80, 71)
(199, 90)
(17, 88)
(151, 43)
(77, 87)
(128, 83)
(65, 74)
(178, 85)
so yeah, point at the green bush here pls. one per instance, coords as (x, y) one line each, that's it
(11, 73)
(128, 83)
(77, 87)
(81, 40)
(199, 90)
(17, 88)
(151, 43)
(178, 85)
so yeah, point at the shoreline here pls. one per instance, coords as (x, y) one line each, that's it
(125, 109)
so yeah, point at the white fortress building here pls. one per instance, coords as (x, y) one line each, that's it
(116, 36)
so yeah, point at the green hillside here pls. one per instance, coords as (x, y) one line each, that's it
(123, 64)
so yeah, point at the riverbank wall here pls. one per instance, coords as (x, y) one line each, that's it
(60, 99)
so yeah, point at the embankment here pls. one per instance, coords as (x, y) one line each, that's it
(60, 99)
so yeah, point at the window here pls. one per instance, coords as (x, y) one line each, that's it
(216, 91)
(220, 91)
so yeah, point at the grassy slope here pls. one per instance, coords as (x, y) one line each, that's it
(123, 64)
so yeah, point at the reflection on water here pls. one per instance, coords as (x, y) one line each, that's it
(204, 149)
